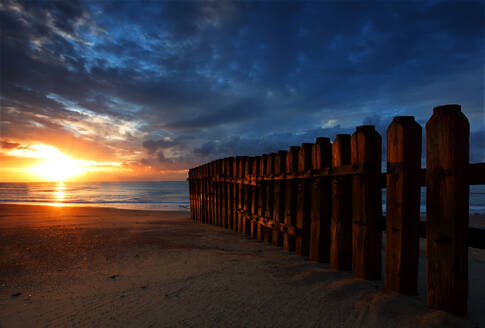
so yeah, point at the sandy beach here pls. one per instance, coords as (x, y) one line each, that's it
(68, 266)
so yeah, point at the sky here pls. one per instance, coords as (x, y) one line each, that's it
(144, 90)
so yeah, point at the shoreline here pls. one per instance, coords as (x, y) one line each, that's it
(93, 266)
(114, 205)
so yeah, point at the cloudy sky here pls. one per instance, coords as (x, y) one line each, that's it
(145, 90)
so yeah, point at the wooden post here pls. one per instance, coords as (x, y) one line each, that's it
(303, 207)
(202, 196)
(447, 201)
(290, 198)
(196, 196)
(213, 192)
(241, 193)
(235, 195)
(279, 197)
(367, 204)
(229, 193)
(223, 193)
(195, 193)
(402, 204)
(217, 218)
(341, 220)
(269, 204)
(262, 197)
(246, 226)
(255, 197)
(320, 203)
(206, 192)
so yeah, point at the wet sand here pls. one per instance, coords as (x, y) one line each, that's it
(68, 266)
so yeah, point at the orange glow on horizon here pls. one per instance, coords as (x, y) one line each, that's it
(46, 163)
(52, 165)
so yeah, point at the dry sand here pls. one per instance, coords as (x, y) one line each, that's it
(105, 267)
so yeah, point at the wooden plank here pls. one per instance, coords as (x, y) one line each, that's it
(402, 204)
(341, 217)
(206, 194)
(320, 203)
(290, 197)
(255, 197)
(269, 203)
(235, 195)
(246, 227)
(279, 194)
(241, 192)
(223, 192)
(477, 174)
(262, 196)
(213, 193)
(229, 193)
(447, 206)
(196, 190)
(202, 194)
(303, 207)
(366, 204)
(217, 200)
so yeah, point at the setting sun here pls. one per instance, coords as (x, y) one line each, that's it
(52, 164)
(57, 169)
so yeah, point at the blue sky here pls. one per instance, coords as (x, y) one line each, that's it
(170, 85)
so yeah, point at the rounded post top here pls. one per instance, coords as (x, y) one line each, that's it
(294, 148)
(321, 140)
(342, 135)
(365, 129)
(447, 108)
(403, 119)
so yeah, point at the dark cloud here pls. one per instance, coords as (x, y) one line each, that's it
(189, 81)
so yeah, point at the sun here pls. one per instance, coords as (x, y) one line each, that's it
(57, 169)
(53, 165)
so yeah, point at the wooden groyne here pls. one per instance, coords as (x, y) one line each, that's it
(323, 200)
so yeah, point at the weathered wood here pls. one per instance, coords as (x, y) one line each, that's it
(279, 197)
(218, 193)
(303, 207)
(206, 193)
(402, 204)
(262, 197)
(223, 194)
(341, 217)
(476, 174)
(202, 195)
(246, 227)
(269, 203)
(255, 196)
(196, 196)
(235, 195)
(320, 203)
(229, 193)
(447, 203)
(241, 192)
(366, 204)
(290, 197)
(213, 193)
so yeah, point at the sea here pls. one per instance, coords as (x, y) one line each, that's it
(143, 195)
